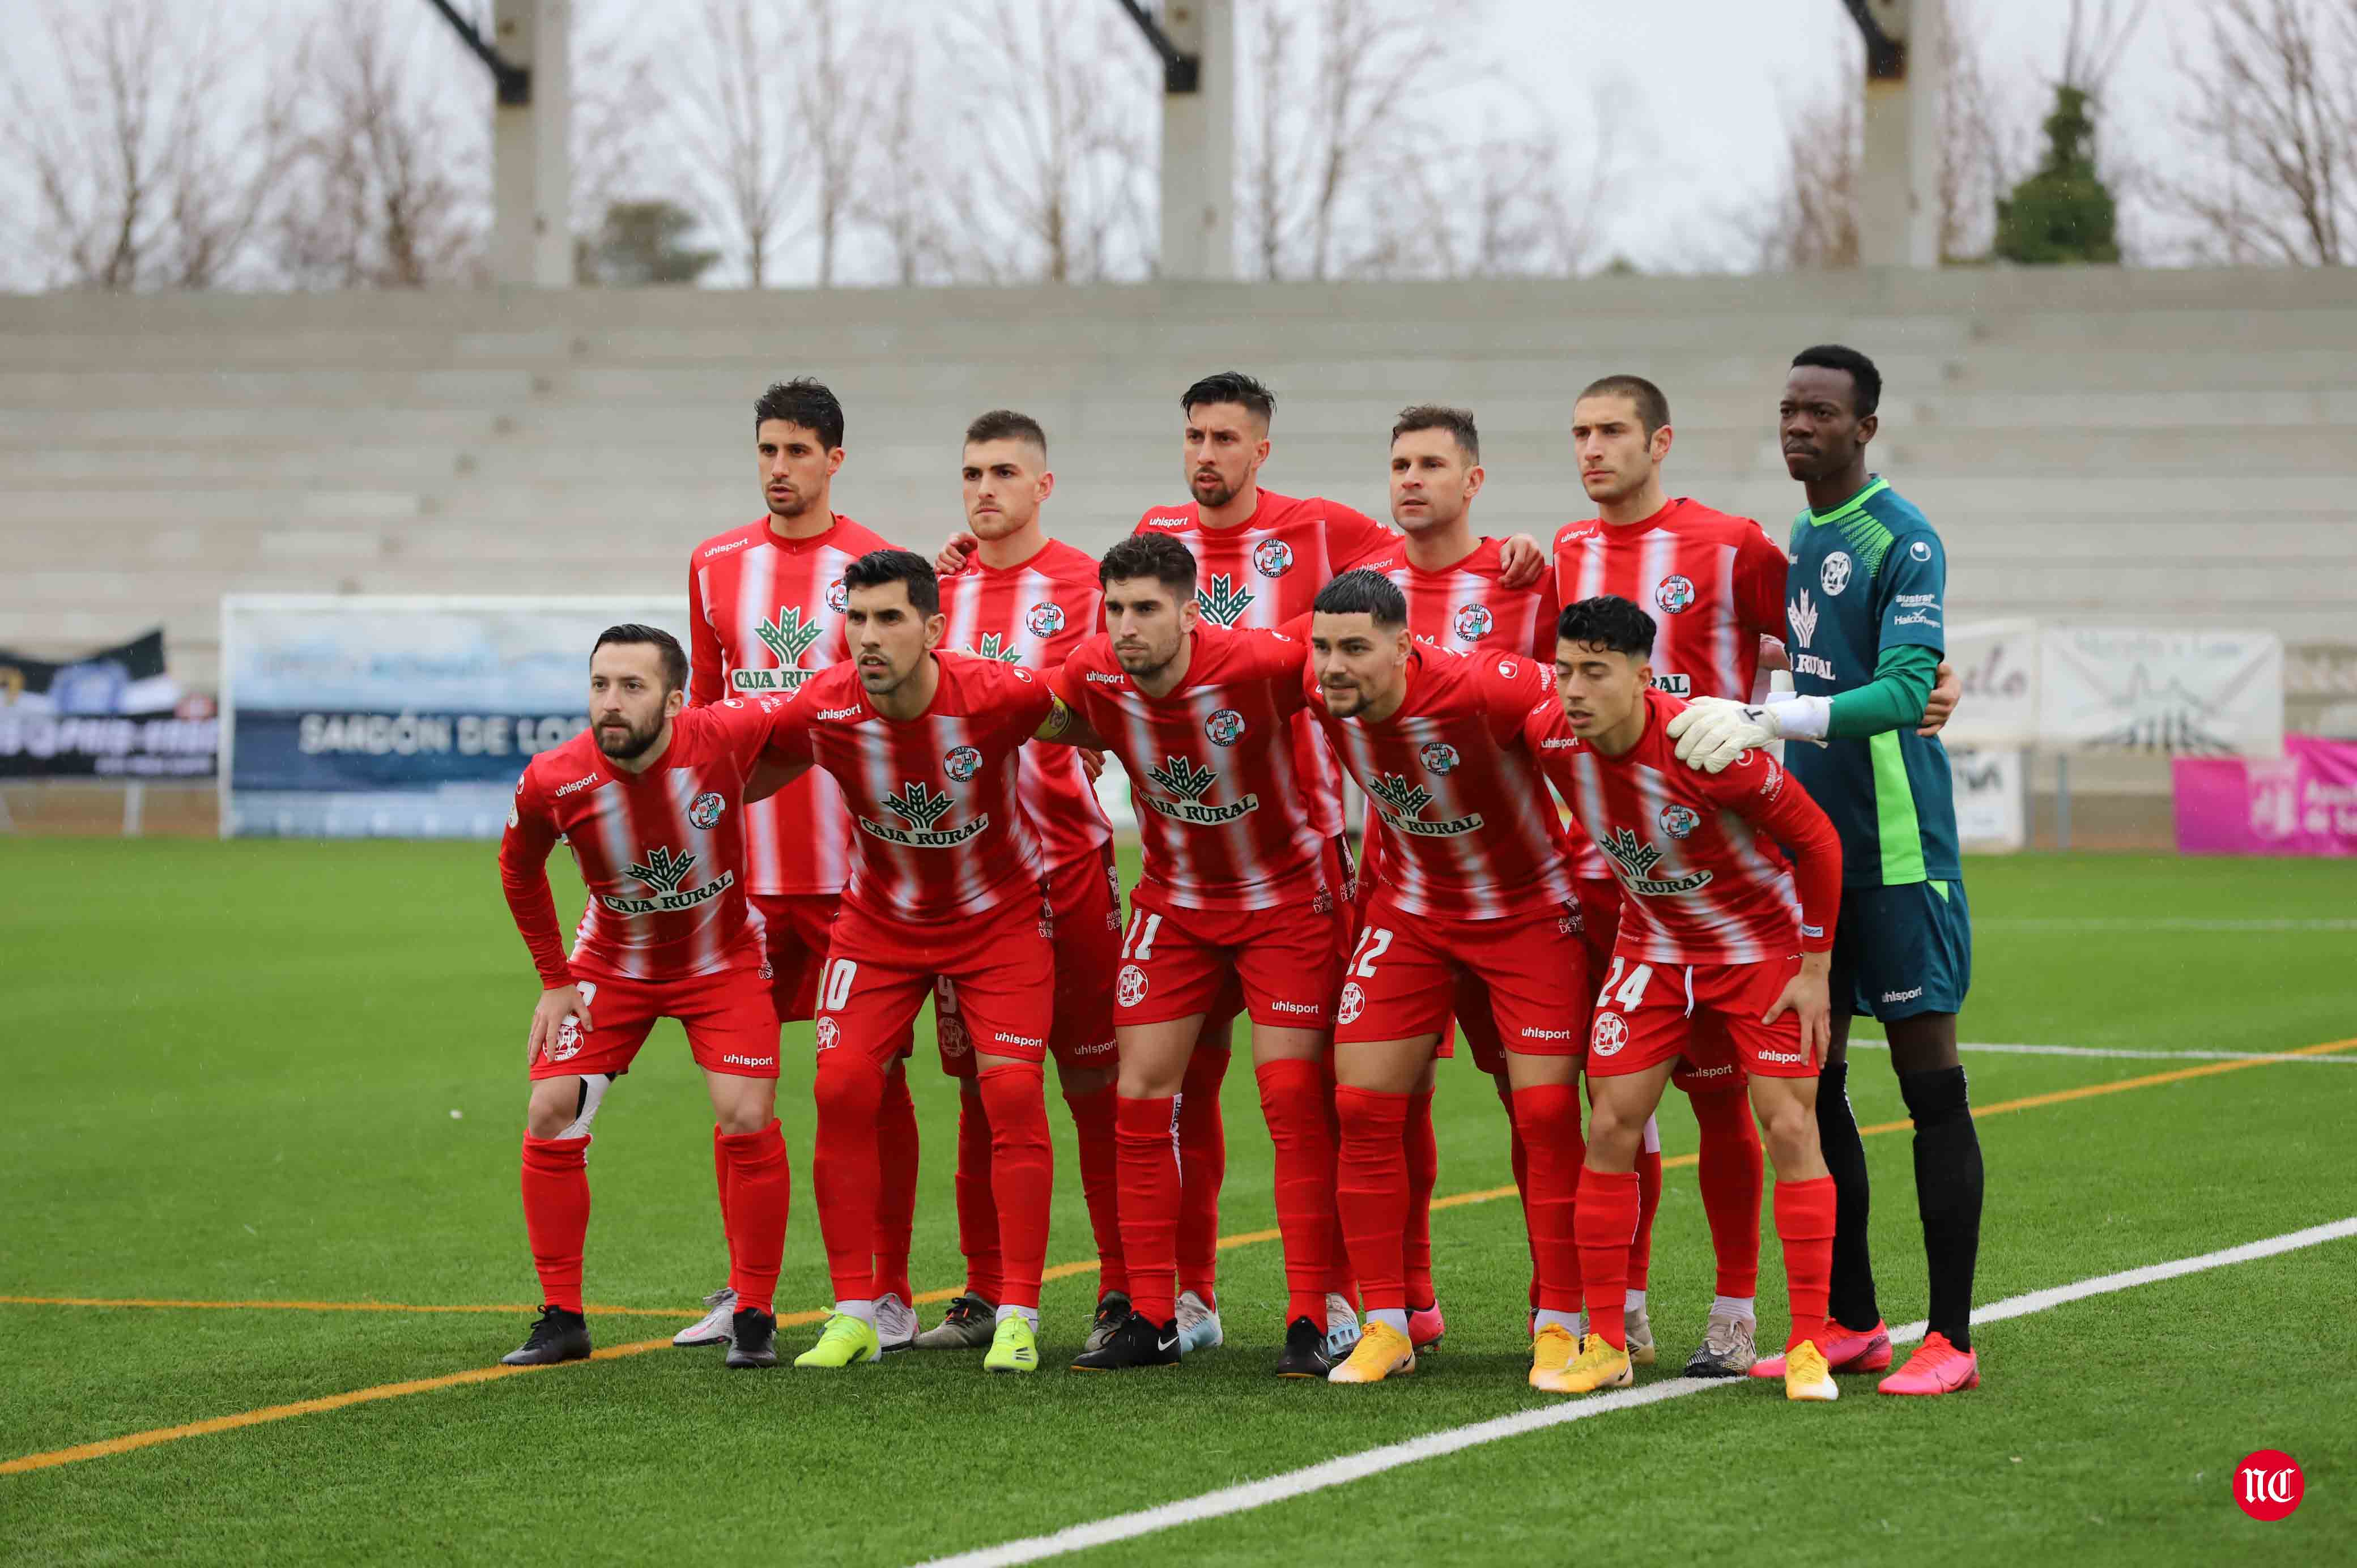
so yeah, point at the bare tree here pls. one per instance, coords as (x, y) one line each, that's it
(834, 100)
(2272, 120)
(901, 201)
(1812, 219)
(1985, 147)
(152, 162)
(617, 93)
(734, 134)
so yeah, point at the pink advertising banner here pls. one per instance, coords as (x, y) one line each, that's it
(2304, 802)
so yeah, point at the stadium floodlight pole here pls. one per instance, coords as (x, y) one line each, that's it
(1196, 40)
(528, 55)
(513, 80)
(1899, 185)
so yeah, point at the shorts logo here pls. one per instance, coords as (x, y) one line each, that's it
(829, 1033)
(1473, 622)
(1354, 1002)
(838, 598)
(1096, 1050)
(1678, 821)
(1439, 756)
(1675, 593)
(1902, 995)
(1790, 1059)
(1920, 551)
(705, 809)
(749, 1061)
(1130, 989)
(1611, 1033)
(962, 763)
(1272, 558)
(567, 1043)
(951, 1032)
(1834, 576)
(1225, 728)
(1309, 1009)
(1044, 619)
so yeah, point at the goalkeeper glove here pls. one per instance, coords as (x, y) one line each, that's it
(1713, 731)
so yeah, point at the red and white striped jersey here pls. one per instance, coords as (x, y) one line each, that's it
(1033, 615)
(763, 613)
(941, 833)
(662, 853)
(1712, 584)
(1213, 768)
(1263, 573)
(1703, 882)
(1469, 830)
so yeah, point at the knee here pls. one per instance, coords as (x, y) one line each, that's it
(750, 1114)
(563, 1107)
(846, 1088)
(1085, 1081)
(1613, 1136)
(1790, 1131)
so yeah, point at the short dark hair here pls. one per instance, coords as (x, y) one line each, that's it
(1607, 622)
(804, 401)
(878, 567)
(1367, 592)
(1005, 425)
(1232, 386)
(1154, 555)
(1864, 380)
(1653, 407)
(674, 656)
(1457, 421)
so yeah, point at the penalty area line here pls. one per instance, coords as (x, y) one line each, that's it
(1357, 1466)
(2126, 1054)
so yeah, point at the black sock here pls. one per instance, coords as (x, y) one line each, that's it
(1947, 1194)
(1851, 1303)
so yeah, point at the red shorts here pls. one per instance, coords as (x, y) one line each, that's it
(999, 964)
(1712, 1061)
(1405, 974)
(1278, 965)
(730, 1027)
(1648, 1014)
(798, 925)
(1085, 894)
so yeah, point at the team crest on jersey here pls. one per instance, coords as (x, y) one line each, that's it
(992, 646)
(1223, 604)
(1675, 593)
(1611, 1033)
(1225, 728)
(1403, 802)
(962, 763)
(838, 598)
(664, 871)
(1635, 859)
(1441, 757)
(1354, 1002)
(1187, 782)
(705, 809)
(1473, 622)
(1834, 576)
(919, 808)
(1679, 822)
(1271, 557)
(1130, 989)
(1044, 620)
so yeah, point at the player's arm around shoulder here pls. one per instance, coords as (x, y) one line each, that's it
(1066, 721)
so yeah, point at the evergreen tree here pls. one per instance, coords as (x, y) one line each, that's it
(2063, 212)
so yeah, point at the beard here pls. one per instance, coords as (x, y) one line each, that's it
(632, 744)
(1212, 492)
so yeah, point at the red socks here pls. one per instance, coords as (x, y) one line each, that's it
(1732, 1171)
(1423, 1175)
(845, 1170)
(1202, 1165)
(1547, 1118)
(1148, 1166)
(977, 1209)
(760, 1186)
(1093, 1119)
(556, 1214)
(720, 1177)
(1648, 1202)
(1804, 1224)
(1372, 1194)
(1519, 1156)
(1293, 1098)
(895, 1194)
(1605, 1225)
(1022, 1175)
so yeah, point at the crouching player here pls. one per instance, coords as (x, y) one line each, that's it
(1707, 932)
(1475, 882)
(650, 801)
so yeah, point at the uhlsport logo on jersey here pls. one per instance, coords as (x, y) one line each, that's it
(1610, 1033)
(962, 763)
(1675, 593)
(1441, 757)
(1223, 604)
(788, 638)
(705, 809)
(1920, 551)
(1187, 781)
(1225, 728)
(994, 647)
(1679, 822)
(1802, 613)
(916, 805)
(1403, 804)
(1834, 576)
(1473, 622)
(1636, 859)
(1354, 1002)
(664, 871)
(1271, 557)
(1130, 989)
(1044, 619)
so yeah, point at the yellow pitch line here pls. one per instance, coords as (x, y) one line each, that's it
(323, 1305)
(1061, 1271)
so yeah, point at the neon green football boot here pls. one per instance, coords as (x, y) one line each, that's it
(1014, 1348)
(846, 1339)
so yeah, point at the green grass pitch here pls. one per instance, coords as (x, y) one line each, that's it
(292, 1073)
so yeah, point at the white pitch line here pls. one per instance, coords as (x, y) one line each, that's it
(1432, 1445)
(2348, 1060)
(2159, 923)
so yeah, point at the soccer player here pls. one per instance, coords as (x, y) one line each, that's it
(1475, 881)
(765, 610)
(1030, 600)
(1708, 932)
(1866, 612)
(1238, 890)
(947, 890)
(650, 800)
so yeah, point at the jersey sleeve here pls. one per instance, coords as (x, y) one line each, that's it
(786, 731)
(523, 877)
(703, 660)
(1759, 573)
(1542, 638)
(1910, 596)
(1280, 658)
(1352, 538)
(1025, 701)
(1758, 789)
(1513, 692)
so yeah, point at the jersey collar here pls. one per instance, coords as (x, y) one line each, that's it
(1875, 485)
